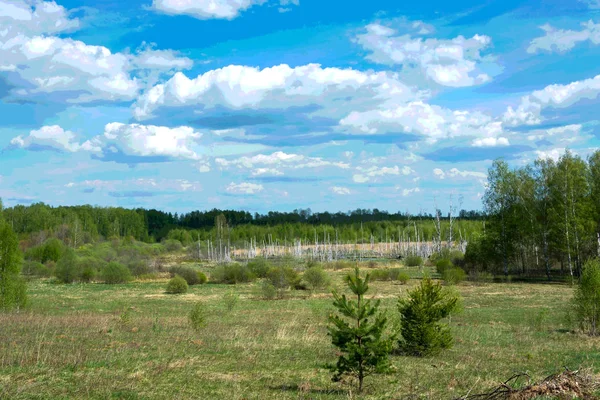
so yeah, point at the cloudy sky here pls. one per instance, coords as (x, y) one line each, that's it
(282, 104)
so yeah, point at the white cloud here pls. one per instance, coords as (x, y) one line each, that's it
(490, 142)
(279, 159)
(372, 173)
(52, 136)
(561, 40)
(205, 9)
(448, 62)
(148, 184)
(340, 190)
(553, 154)
(148, 57)
(34, 18)
(277, 87)
(147, 140)
(266, 171)
(408, 192)
(244, 188)
(456, 173)
(529, 111)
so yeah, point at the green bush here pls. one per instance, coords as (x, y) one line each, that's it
(420, 330)
(230, 300)
(268, 291)
(396, 274)
(481, 276)
(380, 275)
(457, 258)
(172, 245)
(443, 264)
(340, 264)
(453, 276)
(587, 298)
(115, 272)
(316, 278)
(259, 267)
(231, 274)
(413, 261)
(283, 277)
(191, 276)
(198, 315)
(68, 269)
(202, 279)
(139, 267)
(35, 268)
(177, 285)
(13, 290)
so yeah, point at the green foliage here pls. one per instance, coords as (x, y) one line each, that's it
(380, 275)
(454, 275)
(283, 277)
(51, 250)
(230, 299)
(172, 245)
(68, 269)
(413, 261)
(259, 267)
(267, 290)
(442, 265)
(191, 276)
(13, 291)
(115, 272)
(457, 258)
(402, 277)
(358, 332)
(316, 278)
(177, 285)
(198, 316)
(420, 328)
(587, 298)
(231, 274)
(35, 268)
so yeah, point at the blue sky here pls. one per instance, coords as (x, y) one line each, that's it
(282, 104)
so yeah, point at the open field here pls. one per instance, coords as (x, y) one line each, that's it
(133, 341)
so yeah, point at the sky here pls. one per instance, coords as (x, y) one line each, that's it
(265, 105)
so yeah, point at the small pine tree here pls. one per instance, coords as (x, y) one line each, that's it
(364, 349)
(421, 332)
(587, 298)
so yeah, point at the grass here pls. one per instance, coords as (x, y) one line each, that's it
(133, 341)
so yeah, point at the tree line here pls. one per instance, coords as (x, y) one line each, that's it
(542, 217)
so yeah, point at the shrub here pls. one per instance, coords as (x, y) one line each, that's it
(316, 278)
(380, 275)
(68, 269)
(357, 331)
(13, 290)
(231, 274)
(230, 299)
(190, 275)
(283, 277)
(259, 267)
(202, 279)
(372, 264)
(420, 330)
(443, 264)
(341, 264)
(268, 291)
(172, 245)
(139, 267)
(587, 298)
(453, 276)
(481, 276)
(115, 272)
(413, 261)
(197, 316)
(35, 268)
(457, 258)
(402, 277)
(177, 285)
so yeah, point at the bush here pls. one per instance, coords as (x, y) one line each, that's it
(341, 264)
(442, 265)
(316, 278)
(68, 269)
(230, 299)
(89, 267)
(13, 290)
(403, 278)
(453, 276)
(283, 277)
(420, 330)
(268, 291)
(51, 250)
(197, 316)
(587, 298)
(413, 261)
(177, 285)
(191, 276)
(139, 267)
(232, 274)
(380, 275)
(457, 258)
(35, 268)
(259, 267)
(202, 279)
(481, 276)
(172, 245)
(115, 272)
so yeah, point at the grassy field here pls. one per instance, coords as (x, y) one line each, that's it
(133, 342)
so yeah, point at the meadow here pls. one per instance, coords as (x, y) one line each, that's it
(133, 341)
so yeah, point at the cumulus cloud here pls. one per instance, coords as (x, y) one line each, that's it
(340, 190)
(552, 154)
(205, 9)
(529, 111)
(34, 18)
(490, 142)
(448, 62)
(408, 192)
(244, 188)
(266, 171)
(373, 173)
(561, 40)
(279, 87)
(456, 173)
(48, 137)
